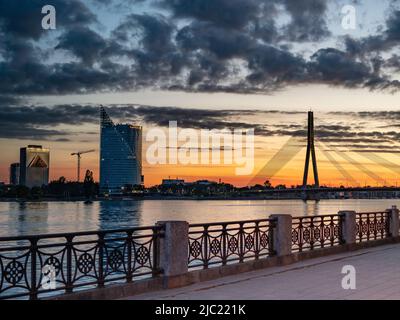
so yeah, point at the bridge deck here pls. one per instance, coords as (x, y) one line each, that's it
(377, 277)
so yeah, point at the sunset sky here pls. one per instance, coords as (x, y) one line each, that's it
(208, 64)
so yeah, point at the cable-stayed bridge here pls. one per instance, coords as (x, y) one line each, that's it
(312, 191)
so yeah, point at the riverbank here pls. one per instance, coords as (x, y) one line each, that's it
(146, 198)
(185, 198)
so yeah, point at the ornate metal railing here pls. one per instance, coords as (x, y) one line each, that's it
(309, 233)
(372, 225)
(42, 265)
(227, 242)
(32, 266)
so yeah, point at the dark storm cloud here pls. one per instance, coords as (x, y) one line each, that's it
(275, 67)
(31, 123)
(227, 13)
(308, 20)
(48, 116)
(334, 66)
(155, 57)
(393, 63)
(155, 31)
(83, 43)
(307, 17)
(196, 46)
(9, 100)
(27, 132)
(221, 42)
(61, 78)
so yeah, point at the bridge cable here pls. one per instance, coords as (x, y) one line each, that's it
(381, 161)
(365, 170)
(286, 153)
(337, 165)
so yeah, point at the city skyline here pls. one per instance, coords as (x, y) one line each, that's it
(291, 173)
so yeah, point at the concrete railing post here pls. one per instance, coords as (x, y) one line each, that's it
(173, 257)
(393, 221)
(348, 226)
(282, 234)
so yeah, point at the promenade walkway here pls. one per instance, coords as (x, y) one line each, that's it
(377, 277)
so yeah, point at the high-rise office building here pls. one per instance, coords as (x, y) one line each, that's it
(14, 173)
(120, 155)
(34, 166)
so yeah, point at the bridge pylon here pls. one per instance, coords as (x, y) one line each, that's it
(310, 153)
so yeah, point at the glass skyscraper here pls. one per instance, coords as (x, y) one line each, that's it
(120, 155)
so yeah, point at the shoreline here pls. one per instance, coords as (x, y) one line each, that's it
(180, 199)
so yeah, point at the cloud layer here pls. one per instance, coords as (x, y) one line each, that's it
(198, 45)
(344, 130)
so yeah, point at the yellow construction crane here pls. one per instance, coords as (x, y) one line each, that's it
(78, 154)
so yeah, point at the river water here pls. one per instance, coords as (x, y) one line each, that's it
(53, 217)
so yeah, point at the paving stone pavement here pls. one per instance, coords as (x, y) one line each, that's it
(377, 277)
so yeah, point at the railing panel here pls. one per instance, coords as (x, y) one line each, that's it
(223, 243)
(314, 232)
(76, 260)
(372, 226)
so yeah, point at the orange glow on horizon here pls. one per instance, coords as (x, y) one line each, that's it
(61, 164)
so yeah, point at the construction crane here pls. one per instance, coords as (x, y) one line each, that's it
(78, 154)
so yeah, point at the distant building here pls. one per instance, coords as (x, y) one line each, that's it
(171, 182)
(120, 155)
(14, 174)
(205, 182)
(34, 166)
